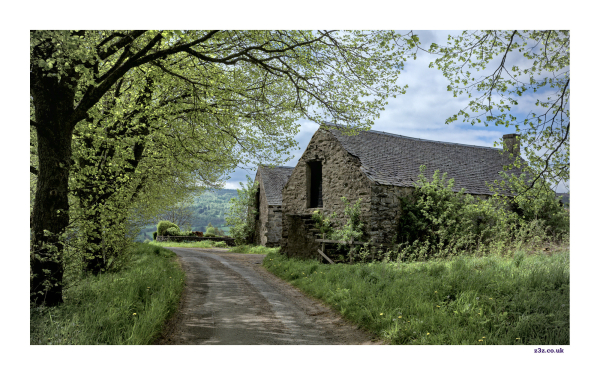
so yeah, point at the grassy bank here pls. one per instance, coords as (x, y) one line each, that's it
(467, 300)
(125, 307)
(200, 244)
(251, 249)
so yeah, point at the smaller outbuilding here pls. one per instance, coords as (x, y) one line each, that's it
(271, 181)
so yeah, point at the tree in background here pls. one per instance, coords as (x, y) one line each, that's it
(180, 213)
(223, 97)
(241, 215)
(476, 64)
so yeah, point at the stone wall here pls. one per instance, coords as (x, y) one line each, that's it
(341, 178)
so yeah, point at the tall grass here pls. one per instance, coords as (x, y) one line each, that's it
(465, 300)
(252, 249)
(125, 307)
(199, 244)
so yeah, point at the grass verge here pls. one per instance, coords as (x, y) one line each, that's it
(466, 300)
(251, 249)
(200, 244)
(125, 307)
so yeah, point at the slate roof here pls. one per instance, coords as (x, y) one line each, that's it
(274, 179)
(391, 159)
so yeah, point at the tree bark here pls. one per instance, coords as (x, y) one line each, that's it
(53, 102)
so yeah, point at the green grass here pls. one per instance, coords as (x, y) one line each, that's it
(251, 249)
(467, 300)
(125, 307)
(201, 244)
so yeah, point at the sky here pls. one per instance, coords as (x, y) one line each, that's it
(420, 113)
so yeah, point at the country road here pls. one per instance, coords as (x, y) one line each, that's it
(230, 299)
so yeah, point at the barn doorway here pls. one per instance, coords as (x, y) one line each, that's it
(314, 174)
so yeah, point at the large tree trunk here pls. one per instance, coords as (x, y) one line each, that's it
(53, 102)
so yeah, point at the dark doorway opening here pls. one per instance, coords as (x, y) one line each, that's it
(315, 184)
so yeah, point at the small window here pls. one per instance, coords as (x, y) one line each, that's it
(314, 184)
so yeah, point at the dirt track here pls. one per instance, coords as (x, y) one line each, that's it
(231, 299)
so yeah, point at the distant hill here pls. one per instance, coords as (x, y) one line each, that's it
(208, 207)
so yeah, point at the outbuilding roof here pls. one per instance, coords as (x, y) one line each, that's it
(274, 179)
(391, 159)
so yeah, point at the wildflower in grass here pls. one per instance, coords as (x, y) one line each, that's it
(380, 313)
(400, 317)
(483, 337)
(437, 305)
(427, 333)
(435, 291)
(480, 340)
(134, 314)
(477, 298)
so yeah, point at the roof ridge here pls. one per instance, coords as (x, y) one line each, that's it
(413, 138)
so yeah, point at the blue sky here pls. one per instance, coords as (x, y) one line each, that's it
(421, 112)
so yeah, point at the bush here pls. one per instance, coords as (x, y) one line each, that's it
(162, 227)
(173, 231)
(241, 214)
(210, 230)
(438, 222)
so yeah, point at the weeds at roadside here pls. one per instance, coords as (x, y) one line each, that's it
(466, 300)
(199, 244)
(251, 249)
(125, 307)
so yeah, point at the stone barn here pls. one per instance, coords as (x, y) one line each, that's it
(268, 204)
(377, 167)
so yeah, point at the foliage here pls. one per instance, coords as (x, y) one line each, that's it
(241, 215)
(353, 228)
(172, 231)
(462, 301)
(542, 70)
(180, 213)
(324, 223)
(154, 234)
(333, 227)
(437, 221)
(164, 225)
(207, 207)
(128, 307)
(122, 116)
(213, 232)
(196, 244)
(252, 249)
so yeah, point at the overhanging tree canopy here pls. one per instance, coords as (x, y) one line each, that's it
(476, 64)
(220, 97)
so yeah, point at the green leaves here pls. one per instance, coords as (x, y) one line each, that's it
(546, 80)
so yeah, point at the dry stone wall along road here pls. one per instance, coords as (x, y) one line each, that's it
(231, 299)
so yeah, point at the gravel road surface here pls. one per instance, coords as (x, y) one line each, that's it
(231, 299)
